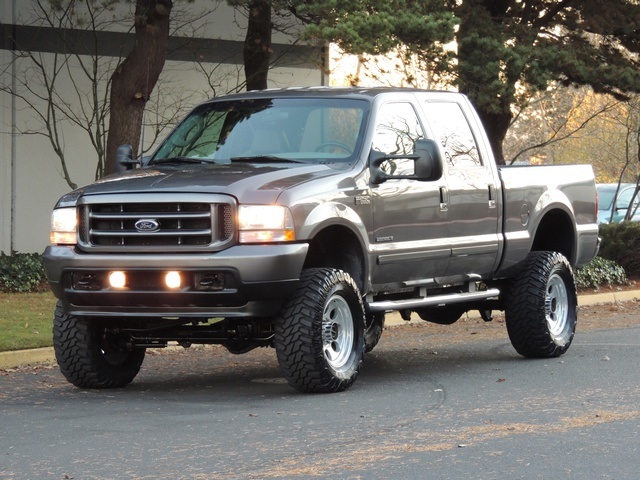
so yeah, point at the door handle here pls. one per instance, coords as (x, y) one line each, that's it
(492, 196)
(444, 199)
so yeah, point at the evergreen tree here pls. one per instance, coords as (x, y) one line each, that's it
(506, 49)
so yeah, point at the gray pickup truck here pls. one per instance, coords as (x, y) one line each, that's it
(297, 218)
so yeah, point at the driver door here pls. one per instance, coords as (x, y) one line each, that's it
(410, 234)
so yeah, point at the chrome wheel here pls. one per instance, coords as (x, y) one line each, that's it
(337, 332)
(557, 307)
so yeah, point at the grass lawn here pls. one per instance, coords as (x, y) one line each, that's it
(26, 320)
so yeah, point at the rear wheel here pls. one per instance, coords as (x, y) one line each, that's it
(92, 356)
(542, 306)
(319, 336)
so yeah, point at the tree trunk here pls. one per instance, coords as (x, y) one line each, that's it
(496, 125)
(257, 45)
(136, 76)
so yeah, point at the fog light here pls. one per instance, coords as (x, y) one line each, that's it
(173, 280)
(117, 279)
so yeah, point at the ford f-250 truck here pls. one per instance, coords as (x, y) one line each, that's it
(297, 218)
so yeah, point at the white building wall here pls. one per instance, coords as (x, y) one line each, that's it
(31, 180)
(6, 157)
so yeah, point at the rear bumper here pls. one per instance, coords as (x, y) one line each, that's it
(251, 281)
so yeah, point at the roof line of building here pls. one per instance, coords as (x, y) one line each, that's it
(30, 38)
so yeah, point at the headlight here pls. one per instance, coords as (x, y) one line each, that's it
(64, 223)
(265, 224)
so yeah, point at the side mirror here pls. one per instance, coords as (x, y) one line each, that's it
(426, 157)
(429, 163)
(124, 159)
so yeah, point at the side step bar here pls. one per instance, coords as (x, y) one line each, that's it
(434, 301)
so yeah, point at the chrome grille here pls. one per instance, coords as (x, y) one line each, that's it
(155, 225)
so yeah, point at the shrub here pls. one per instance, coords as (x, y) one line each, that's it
(22, 272)
(598, 272)
(621, 243)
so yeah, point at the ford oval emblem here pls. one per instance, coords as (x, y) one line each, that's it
(147, 225)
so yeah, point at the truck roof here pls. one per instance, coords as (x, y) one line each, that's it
(324, 91)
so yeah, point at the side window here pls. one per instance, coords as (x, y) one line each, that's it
(454, 134)
(397, 129)
(624, 199)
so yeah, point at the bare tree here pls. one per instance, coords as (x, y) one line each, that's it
(69, 88)
(135, 77)
(550, 118)
(580, 126)
(265, 18)
(257, 44)
(629, 121)
(62, 74)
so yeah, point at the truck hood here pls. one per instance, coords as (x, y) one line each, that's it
(249, 183)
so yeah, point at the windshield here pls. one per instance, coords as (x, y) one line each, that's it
(605, 198)
(314, 130)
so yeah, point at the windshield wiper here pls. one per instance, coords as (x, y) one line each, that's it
(180, 159)
(265, 158)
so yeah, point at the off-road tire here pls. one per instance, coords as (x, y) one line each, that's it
(90, 356)
(319, 335)
(541, 307)
(373, 330)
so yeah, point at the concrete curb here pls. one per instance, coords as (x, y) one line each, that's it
(610, 297)
(26, 357)
(36, 356)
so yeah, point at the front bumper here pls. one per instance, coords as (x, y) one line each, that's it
(252, 281)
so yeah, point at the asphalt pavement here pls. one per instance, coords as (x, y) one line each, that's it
(431, 402)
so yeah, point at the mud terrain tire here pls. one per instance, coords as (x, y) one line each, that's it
(91, 356)
(319, 335)
(541, 306)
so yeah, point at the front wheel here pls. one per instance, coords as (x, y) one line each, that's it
(92, 356)
(541, 308)
(319, 336)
